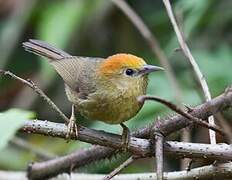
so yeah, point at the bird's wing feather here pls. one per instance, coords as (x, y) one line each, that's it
(77, 72)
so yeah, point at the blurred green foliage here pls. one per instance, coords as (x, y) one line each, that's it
(98, 28)
(10, 122)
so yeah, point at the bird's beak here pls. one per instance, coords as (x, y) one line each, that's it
(150, 68)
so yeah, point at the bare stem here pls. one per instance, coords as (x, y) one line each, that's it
(193, 62)
(33, 86)
(159, 155)
(137, 146)
(181, 112)
(120, 168)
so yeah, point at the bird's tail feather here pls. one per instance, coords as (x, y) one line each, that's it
(44, 49)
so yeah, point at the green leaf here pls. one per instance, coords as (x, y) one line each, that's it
(10, 122)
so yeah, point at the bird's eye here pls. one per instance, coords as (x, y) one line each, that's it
(129, 72)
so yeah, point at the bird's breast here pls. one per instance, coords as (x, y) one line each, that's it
(112, 106)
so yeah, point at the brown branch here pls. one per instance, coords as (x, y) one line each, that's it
(181, 112)
(159, 155)
(202, 112)
(192, 61)
(66, 163)
(33, 86)
(136, 145)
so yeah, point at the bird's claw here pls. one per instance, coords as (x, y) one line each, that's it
(72, 128)
(125, 137)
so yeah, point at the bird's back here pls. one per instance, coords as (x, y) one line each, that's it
(77, 72)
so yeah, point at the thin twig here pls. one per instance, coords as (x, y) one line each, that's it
(33, 86)
(185, 134)
(185, 137)
(120, 168)
(181, 112)
(159, 140)
(193, 62)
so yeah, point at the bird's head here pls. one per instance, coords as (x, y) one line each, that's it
(126, 69)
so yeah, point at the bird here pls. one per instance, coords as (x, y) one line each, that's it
(104, 89)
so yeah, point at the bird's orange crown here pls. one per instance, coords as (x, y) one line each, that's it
(114, 63)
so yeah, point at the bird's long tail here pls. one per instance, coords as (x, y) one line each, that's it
(44, 49)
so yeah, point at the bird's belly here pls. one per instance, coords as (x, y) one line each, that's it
(109, 110)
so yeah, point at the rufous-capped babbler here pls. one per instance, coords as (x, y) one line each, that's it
(104, 89)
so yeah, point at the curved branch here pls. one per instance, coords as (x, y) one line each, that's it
(172, 106)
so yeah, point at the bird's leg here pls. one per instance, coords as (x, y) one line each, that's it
(125, 136)
(72, 126)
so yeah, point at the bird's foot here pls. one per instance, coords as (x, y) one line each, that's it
(72, 127)
(125, 137)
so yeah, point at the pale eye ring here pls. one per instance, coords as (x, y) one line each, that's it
(129, 72)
